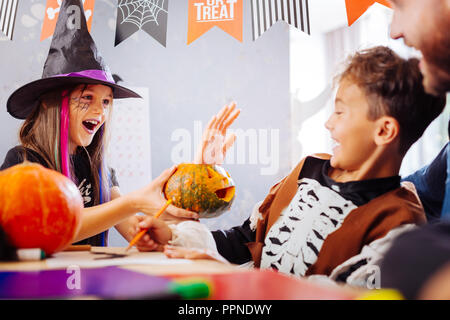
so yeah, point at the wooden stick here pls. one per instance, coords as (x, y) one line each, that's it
(79, 247)
(144, 231)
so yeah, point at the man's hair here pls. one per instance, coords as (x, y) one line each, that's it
(393, 87)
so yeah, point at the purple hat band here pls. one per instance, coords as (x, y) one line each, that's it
(92, 74)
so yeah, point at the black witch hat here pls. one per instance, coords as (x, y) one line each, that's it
(73, 58)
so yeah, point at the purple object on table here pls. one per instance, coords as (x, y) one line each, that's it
(107, 283)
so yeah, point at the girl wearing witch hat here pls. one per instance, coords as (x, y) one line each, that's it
(67, 117)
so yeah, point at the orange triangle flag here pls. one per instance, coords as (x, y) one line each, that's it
(356, 8)
(206, 14)
(52, 13)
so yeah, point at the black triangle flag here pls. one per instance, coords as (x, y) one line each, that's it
(148, 15)
(8, 10)
(266, 13)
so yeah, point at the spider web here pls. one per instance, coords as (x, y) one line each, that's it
(141, 12)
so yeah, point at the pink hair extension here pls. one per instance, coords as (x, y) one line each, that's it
(64, 134)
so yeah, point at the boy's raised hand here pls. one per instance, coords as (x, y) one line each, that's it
(215, 142)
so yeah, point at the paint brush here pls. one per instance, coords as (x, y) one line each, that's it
(144, 231)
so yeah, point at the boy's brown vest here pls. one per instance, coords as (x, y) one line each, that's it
(362, 226)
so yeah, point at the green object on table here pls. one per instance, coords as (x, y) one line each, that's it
(190, 289)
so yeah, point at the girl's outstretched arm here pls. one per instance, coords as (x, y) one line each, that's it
(147, 200)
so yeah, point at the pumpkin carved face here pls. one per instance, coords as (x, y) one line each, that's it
(39, 207)
(205, 189)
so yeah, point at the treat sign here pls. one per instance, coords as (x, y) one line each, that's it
(206, 14)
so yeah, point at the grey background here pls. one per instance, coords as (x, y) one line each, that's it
(186, 83)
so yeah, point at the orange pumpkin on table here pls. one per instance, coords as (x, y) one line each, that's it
(205, 189)
(39, 207)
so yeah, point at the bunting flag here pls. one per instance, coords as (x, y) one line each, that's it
(152, 16)
(148, 15)
(356, 8)
(52, 13)
(266, 13)
(206, 14)
(8, 10)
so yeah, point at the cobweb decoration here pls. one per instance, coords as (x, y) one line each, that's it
(140, 12)
(148, 15)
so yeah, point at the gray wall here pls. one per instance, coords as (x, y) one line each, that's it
(186, 84)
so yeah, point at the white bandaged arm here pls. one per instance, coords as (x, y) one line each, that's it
(192, 234)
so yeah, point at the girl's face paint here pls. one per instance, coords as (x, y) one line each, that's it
(89, 107)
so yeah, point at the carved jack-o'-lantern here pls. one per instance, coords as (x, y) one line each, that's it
(205, 189)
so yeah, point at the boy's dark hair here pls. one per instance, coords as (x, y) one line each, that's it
(393, 87)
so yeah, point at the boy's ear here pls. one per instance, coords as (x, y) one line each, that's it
(387, 130)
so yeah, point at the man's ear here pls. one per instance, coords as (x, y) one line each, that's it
(386, 131)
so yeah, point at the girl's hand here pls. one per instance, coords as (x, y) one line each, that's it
(193, 253)
(215, 142)
(150, 199)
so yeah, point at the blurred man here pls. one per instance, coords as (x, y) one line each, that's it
(417, 263)
(425, 26)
